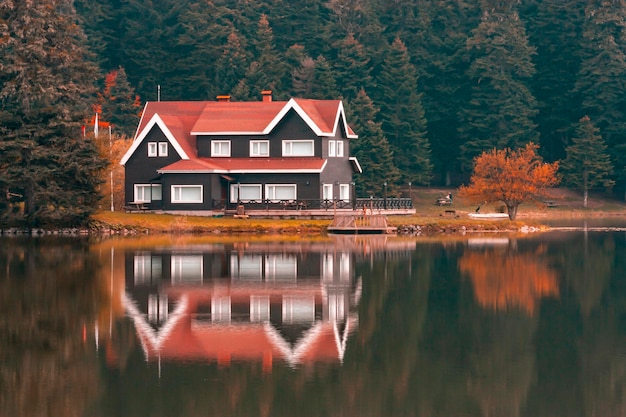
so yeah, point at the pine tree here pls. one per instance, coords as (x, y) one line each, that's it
(324, 84)
(120, 105)
(554, 27)
(352, 68)
(371, 148)
(500, 112)
(587, 164)
(602, 78)
(47, 82)
(402, 115)
(266, 71)
(230, 67)
(446, 25)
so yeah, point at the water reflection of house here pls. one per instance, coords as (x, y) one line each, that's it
(261, 302)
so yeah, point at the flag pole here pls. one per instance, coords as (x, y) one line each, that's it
(110, 157)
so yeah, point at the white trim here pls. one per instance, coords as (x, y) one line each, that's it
(356, 163)
(163, 148)
(153, 149)
(274, 186)
(259, 143)
(220, 144)
(155, 120)
(284, 143)
(292, 104)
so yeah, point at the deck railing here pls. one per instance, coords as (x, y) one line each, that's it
(373, 204)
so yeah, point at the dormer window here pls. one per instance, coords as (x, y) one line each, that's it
(220, 148)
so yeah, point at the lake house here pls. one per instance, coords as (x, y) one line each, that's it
(209, 157)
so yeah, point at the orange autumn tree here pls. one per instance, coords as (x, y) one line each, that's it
(512, 176)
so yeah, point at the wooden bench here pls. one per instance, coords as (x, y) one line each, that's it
(443, 202)
(135, 207)
(550, 203)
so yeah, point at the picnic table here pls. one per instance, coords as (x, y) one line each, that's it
(135, 206)
(443, 201)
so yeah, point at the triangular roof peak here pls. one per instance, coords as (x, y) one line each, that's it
(158, 121)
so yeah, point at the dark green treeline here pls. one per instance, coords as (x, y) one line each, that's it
(448, 79)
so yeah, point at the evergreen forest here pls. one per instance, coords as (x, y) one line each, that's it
(427, 84)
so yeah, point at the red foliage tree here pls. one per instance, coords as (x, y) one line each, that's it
(512, 176)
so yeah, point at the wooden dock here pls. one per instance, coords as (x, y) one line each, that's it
(360, 225)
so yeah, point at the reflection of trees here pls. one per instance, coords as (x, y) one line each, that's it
(46, 296)
(504, 280)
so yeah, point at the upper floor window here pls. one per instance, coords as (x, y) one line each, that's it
(157, 149)
(152, 149)
(335, 148)
(259, 148)
(220, 148)
(298, 148)
(162, 148)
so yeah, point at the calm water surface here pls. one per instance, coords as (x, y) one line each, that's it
(380, 326)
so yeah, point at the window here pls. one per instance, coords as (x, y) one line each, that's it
(246, 267)
(186, 194)
(220, 308)
(145, 193)
(152, 149)
(259, 308)
(298, 309)
(259, 148)
(162, 148)
(187, 269)
(280, 192)
(327, 191)
(245, 192)
(335, 148)
(344, 192)
(220, 148)
(298, 148)
(281, 268)
(147, 268)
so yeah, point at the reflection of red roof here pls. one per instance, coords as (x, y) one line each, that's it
(236, 165)
(182, 337)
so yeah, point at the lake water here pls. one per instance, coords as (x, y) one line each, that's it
(471, 325)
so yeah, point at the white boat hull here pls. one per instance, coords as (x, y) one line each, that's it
(488, 216)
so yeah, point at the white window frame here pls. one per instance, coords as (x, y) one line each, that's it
(335, 148)
(255, 148)
(220, 148)
(288, 148)
(163, 148)
(152, 150)
(270, 191)
(259, 308)
(332, 147)
(344, 192)
(148, 193)
(339, 152)
(176, 196)
(234, 192)
(327, 192)
(187, 269)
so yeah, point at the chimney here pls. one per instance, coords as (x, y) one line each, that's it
(267, 96)
(223, 98)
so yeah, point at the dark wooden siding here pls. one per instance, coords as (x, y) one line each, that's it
(141, 169)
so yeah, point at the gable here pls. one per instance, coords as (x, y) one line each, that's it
(155, 122)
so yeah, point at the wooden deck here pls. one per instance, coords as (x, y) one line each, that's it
(360, 225)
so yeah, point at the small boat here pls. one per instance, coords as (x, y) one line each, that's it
(488, 216)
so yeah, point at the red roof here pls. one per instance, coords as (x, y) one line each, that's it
(183, 121)
(237, 165)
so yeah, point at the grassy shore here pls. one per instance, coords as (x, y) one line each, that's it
(429, 218)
